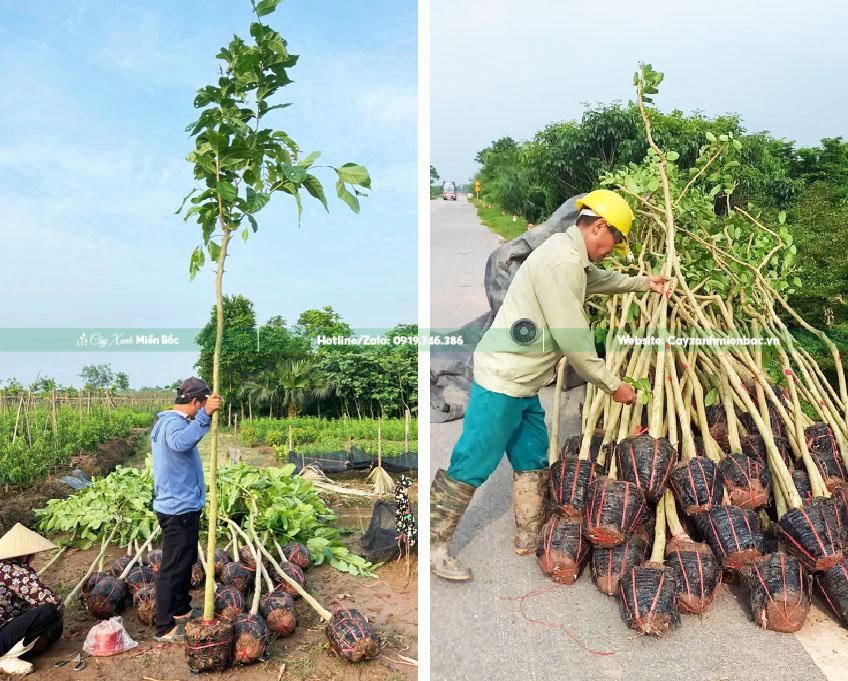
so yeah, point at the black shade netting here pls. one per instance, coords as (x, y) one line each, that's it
(229, 603)
(755, 447)
(120, 565)
(298, 554)
(734, 534)
(747, 479)
(563, 549)
(698, 485)
(328, 462)
(222, 557)
(154, 560)
(609, 564)
(834, 516)
(802, 484)
(833, 584)
(380, 541)
(806, 533)
(612, 510)
(144, 601)
(351, 635)
(251, 636)
(647, 598)
(717, 424)
(140, 576)
(647, 462)
(826, 455)
(277, 608)
(246, 558)
(569, 478)
(778, 592)
(573, 443)
(295, 573)
(198, 575)
(91, 582)
(237, 576)
(209, 645)
(107, 598)
(697, 575)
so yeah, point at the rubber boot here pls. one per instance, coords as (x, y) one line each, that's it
(528, 506)
(448, 500)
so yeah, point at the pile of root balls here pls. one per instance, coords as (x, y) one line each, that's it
(732, 463)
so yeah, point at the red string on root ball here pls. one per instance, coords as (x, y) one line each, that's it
(563, 549)
(144, 601)
(107, 598)
(90, 583)
(221, 559)
(778, 592)
(734, 534)
(807, 535)
(229, 603)
(246, 558)
(295, 573)
(647, 599)
(826, 455)
(208, 645)
(277, 608)
(140, 576)
(298, 554)
(802, 483)
(251, 638)
(697, 575)
(613, 509)
(647, 462)
(574, 443)
(351, 636)
(833, 584)
(154, 560)
(119, 565)
(748, 481)
(698, 485)
(569, 479)
(237, 576)
(609, 564)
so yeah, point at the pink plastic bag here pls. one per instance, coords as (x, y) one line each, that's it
(108, 637)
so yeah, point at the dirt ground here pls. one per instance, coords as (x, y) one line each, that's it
(389, 603)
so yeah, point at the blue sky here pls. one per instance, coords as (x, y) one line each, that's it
(96, 96)
(500, 67)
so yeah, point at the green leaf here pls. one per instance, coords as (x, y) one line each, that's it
(346, 196)
(244, 234)
(643, 398)
(265, 7)
(737, 144)
(710, 399)
(354, 174)
(710, 137)
(309, 160)
(227, 191)
(672, 155)
(214, 250)
(314, 187)
(256, 201)
(196, 261)
(185, 198)
(294, 174)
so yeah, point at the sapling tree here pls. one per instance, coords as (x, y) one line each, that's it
(239, 165)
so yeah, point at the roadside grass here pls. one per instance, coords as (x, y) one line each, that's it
(498, 221)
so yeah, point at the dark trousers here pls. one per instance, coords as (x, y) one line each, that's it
(43, 622)
(179, 554)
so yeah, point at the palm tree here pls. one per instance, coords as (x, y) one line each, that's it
(293, 382)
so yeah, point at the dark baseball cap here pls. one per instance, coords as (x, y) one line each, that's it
(191, 389)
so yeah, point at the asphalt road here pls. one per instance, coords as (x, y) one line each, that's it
(477, 632)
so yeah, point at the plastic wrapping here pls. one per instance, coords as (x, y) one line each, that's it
(612, 511)
(277, 608)
(778, 592)
(807, 535)
(108, 638)
(351, 636)
(697, 575)
(298, 554)
(748, 481)
(569, 479)
(647, 462)
(647, 599)
(734, 535)
(698, 485)
(237, 576)
(251, 638)
(609, 564)
(563, 549)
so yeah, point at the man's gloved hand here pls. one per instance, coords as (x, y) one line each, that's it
(625, 394)
(658, 283)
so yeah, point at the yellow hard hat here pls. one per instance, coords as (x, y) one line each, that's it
(612, 208)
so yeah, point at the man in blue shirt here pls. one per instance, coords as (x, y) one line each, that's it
(179, 497)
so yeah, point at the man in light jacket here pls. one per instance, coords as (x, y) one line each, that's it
(541, 319)
(179, 497)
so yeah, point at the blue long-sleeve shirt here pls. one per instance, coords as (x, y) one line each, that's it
(178, 483)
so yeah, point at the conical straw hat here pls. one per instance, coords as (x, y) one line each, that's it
(21, 541)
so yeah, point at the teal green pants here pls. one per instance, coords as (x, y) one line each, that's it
(494, 424)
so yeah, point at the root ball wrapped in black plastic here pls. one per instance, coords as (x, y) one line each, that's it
(351, 636)
(647, 598)
(778, 592)
(229, 603)
(563, 549)
(277, 608)
(222, 557)
(251, 637)
(208, 645)
(802, 484)
(717, 423)
(237, 576)
(833, 584)
(295, 573)
(754, 446)
(807, 534)
(298, 554)
(734, 534)
(748, 481)
(825, 454)
(139, 577)
(698, 485)
(612, 510)
(144, 601)
(119, 565)
(91, 582)
(246, 558)
(569, 479)
(609, 564)
(647, 462)
(154, 560)
(697, 575)
(107, 598)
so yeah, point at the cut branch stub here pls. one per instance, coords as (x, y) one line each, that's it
(647, 598)
(563, 549)
(698, 485)
(568, 482)
(612, 511)
(747, 480)
(734, 534)
(697, 575)
(778, 592)
(647, 462)
(609, 564)
(808, 536)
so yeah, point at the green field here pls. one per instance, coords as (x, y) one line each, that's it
(499, 221)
